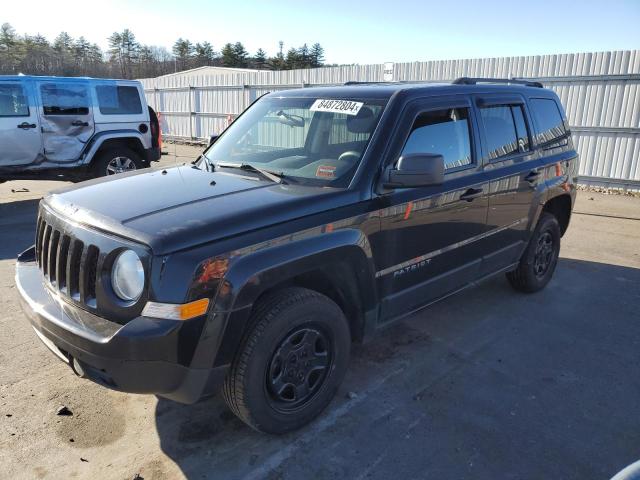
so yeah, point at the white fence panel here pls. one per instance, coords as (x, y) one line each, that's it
(600, 92)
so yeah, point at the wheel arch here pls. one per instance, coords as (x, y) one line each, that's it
(129, 139)
(338, 265)
(560, 207)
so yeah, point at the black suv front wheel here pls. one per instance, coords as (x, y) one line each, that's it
(290, 363)
(539, 260)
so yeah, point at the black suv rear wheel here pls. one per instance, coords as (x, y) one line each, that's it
(539, 260)
(116, 160)
(290, 363)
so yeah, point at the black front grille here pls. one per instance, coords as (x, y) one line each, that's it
(69, 264)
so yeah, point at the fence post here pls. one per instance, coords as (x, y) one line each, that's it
(191, 112)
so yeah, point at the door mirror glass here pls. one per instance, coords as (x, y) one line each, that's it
(417, 170)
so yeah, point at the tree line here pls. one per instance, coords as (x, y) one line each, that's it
(128, 58)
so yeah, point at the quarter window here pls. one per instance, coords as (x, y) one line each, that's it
(549, 122)
(64, 99)
(118, 100)
(13, 102)
(444, 132)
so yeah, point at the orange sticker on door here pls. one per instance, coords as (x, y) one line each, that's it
(326, 171)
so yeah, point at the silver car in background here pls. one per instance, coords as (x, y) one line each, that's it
(75, 128)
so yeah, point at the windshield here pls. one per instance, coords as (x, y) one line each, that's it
(307, 140)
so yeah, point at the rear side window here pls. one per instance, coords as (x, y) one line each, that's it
(118, 100)
(444, 132)
(549, 121)
(64, 99)
(499, 131)
(13, 102)
(505, 130)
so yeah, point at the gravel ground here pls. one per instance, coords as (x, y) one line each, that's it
(486, 384)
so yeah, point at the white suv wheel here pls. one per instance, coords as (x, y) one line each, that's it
(120, 165)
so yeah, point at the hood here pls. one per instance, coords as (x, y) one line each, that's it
(179, 207)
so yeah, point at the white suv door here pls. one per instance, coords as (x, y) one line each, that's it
(66, 114)
(19, 125)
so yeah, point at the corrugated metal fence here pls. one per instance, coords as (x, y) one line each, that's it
(600, 92)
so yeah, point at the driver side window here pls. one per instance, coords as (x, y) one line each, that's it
(445, 132)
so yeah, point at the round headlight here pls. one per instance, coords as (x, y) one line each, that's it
(127, 276)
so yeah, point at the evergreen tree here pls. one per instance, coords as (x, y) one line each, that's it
(9, 51)
(204, 54)
(80, 51)
(63, 60)
(260, 59)
(240, 54)
(304, 60)
(126, 58)
(317, 55)
(293, 59)
(228, 56)
(183, 52)
(123, 51)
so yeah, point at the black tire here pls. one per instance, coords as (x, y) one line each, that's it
(100, 166)
(277, 323)
(539, 260)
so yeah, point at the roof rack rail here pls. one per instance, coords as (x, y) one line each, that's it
(355, 82)
(516, 81)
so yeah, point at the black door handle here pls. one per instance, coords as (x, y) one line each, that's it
(470, 194)
(79, 123)
(26, 126)
(533, 176)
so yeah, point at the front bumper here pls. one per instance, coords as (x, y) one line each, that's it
(142, 356)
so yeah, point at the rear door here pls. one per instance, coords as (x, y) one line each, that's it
(430, 239)
(19, 133)
(513, 169)
(66, 115)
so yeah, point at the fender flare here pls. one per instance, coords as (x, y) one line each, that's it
(554, 186)
(98, 140)
(255, 273)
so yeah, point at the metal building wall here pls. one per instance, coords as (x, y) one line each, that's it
(600, 92)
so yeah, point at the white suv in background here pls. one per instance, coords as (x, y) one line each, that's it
(75, 128)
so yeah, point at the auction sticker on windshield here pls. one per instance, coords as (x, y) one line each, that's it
(337, 106)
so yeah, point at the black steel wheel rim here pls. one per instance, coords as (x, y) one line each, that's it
(543, 256)
(298, 368)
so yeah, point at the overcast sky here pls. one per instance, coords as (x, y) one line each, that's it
(371, 31)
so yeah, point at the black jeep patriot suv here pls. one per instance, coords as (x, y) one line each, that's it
(319, 216)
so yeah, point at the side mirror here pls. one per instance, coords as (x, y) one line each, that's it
(213, 139)
(416, 170)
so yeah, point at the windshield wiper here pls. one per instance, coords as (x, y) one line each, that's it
(276, 177)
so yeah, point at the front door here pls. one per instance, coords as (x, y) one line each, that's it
(19, 133)
(67, 120)
(429, 244)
